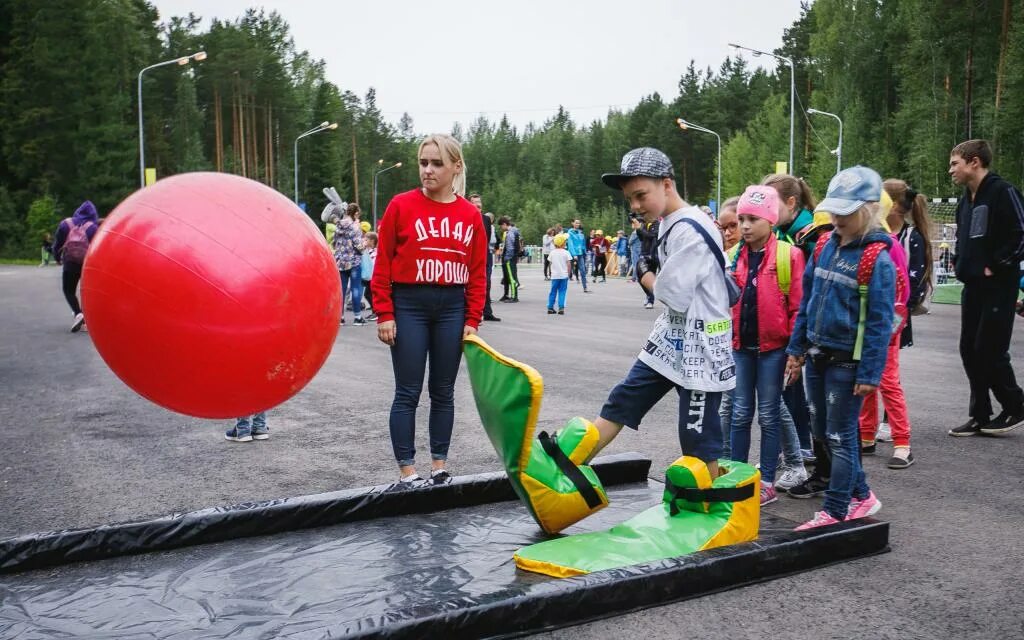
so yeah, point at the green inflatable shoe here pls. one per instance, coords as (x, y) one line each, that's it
(547, 472)
(695, 514)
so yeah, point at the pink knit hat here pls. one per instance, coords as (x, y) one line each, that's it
(761, 201)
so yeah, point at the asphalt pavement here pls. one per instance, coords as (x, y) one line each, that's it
(79, 448)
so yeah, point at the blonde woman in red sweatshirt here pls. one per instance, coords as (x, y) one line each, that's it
(429, 285)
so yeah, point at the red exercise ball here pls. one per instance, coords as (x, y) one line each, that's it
(211, 295)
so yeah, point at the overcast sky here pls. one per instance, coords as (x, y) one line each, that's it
(456, 60)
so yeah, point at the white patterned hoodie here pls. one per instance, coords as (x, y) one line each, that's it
(691, 342)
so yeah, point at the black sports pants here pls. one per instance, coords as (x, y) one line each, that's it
(987, 315)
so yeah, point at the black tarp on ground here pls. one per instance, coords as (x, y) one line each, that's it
(448, 573)
(35, 550)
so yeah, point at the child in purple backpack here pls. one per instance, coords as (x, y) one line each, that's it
(70, 246)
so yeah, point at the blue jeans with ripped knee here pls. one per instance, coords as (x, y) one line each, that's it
(834, 420)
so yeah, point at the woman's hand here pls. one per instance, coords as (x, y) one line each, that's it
(386, 332)
(864, 390)
(468, 331)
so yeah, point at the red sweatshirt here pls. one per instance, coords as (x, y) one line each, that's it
(421, 241)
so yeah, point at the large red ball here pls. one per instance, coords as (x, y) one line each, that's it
(211, 295)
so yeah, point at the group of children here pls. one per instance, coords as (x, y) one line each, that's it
(826, 293)
(817, 298)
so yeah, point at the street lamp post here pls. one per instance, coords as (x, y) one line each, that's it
(684, 125)
(380, 162)
(323, 126)
(182, 61)
(838, 151)
(792, 93)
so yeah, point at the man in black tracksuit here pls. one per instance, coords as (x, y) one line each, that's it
(990, 246)
(488, 226)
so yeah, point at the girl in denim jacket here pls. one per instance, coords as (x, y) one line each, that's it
(842, 341)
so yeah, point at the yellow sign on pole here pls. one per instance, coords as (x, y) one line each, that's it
(780, 167)
(150, 175)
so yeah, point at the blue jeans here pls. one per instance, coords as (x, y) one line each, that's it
(796, 402)
(788, 437)
(725, 415)
(352, 279)
(834, 420)
(558, 288)
(428, 320)
(758, 373)
(258, 425)
(580, 268)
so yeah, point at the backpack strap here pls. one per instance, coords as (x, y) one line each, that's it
(865, 268)
(784, 265)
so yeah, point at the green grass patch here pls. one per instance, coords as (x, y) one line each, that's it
(948, 293)
(24, 261)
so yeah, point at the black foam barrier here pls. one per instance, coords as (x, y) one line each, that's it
(446, 574)
(215, 524)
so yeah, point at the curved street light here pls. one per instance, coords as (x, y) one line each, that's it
(792, 93)
(181, 62)
(323, 126)
(838, 151)
(379, 163)
(684, 125)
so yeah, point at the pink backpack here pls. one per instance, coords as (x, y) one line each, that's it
(77, 243)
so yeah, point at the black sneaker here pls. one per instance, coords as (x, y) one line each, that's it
(1005, 421)
(512, 300)
(810, 488)
(896, 462)
(970, 428)
(551, 312)
(359, 322)
(440, 477)
(561, 312)
(868, 449)
(405, 484)
(492, 318)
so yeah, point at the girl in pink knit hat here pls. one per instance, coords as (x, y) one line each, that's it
(762, 323)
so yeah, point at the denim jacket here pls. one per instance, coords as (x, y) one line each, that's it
(830, 308)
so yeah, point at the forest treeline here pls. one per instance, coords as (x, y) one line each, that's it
(909, 78)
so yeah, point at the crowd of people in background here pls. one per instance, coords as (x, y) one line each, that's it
(821, 294)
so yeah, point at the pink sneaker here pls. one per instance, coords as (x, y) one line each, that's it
(768, 494)
(820, 519)
(869, 506)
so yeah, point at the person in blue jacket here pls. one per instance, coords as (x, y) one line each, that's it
(842, 340)
(577, 246)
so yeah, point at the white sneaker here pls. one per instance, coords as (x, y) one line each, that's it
(648, 305)
(884, 433)
(791, 477)
(77, 325)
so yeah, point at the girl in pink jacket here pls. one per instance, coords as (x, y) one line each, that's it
(769, 273)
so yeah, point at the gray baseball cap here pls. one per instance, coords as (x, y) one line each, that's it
(647, 162)
(851, 189)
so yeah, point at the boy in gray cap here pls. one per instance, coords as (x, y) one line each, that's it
(689, 348)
